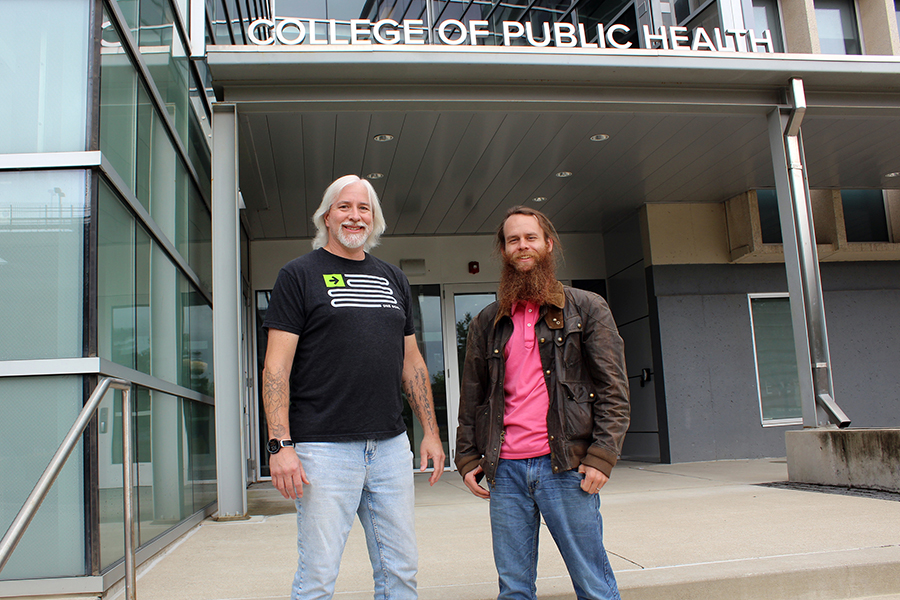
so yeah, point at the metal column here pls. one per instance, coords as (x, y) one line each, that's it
(226, 263)
(802, 265)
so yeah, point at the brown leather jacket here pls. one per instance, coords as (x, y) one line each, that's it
(584, 368)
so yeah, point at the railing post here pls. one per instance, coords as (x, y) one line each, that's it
(128, 495)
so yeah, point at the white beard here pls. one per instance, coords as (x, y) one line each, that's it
(352, 240)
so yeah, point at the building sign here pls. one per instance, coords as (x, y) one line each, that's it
(412, 32)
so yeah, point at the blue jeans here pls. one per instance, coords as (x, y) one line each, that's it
(523, 491)
(372, 479)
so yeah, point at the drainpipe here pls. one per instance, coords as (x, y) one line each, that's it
(802, 265)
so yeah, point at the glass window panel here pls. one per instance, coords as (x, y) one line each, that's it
(262, 306)
(836, 22)
(196, 243)
(897, 11)
(164, 54)
(310, 9)
(202, 450)
(769, 219)
(765, 16)
(53, 544)
(161, 473)
(42, 215)
(197, 348)
(43, 75)
(165, 317)
(776, 360)
(865, 218)
(118, 104)
(116, 301)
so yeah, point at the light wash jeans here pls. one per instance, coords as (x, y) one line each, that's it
(523, 491)
(372, 479)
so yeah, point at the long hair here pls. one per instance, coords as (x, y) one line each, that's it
(546, 226)
(331, 195)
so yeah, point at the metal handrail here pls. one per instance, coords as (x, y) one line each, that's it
(42, 487)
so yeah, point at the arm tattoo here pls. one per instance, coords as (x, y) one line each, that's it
(276, 398)
(418, 392)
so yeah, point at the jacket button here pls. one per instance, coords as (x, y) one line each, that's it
(548, 371)
(496, 351)
(555, 469)
(592, 394)
(552, 438)
(542, 340)
(559, 339)
(579, 326)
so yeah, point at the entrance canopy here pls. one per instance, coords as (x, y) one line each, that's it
(451, 137)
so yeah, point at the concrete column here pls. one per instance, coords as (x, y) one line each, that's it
(226, 247)
(800, 32)
(878, 21)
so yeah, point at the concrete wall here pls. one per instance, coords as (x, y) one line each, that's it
(711, 397)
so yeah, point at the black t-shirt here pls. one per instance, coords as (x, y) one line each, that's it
(352, 317)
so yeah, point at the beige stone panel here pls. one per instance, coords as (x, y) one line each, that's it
(878, 22)
(687, 233)
(800, 31)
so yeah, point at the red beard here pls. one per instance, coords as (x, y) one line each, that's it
(536, 284)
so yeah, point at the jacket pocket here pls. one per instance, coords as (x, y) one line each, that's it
(578, 409)
(482, 426)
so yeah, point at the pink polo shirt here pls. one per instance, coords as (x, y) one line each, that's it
(527, 400)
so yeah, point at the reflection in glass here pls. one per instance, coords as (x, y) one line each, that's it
(467, 306)
(776, 360)
(42, 216)
(865, 217)
(43, 98)
(118, 104)
(429, 336)
(836, 22)
(765, 16)
(42, 408)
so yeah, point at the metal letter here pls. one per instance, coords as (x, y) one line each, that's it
(312, 35)
(662, 38)
(392, 37)
(475, 32)
(413, 27)
(529, 35)
(355, 31)
(332, 34)
(612, 41)
(251, 32)
(701, 39)
(564, 39)
(301, 32)
(676, 35)
(582, 36)
(442, 32)
(765, 41)
(508, 33)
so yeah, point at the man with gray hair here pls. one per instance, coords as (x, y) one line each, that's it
(341, 347)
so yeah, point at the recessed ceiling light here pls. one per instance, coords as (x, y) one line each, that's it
(539, 199)
(374, 175)
(383, 137)
(894, 174)
(600, 137)
(564, 174)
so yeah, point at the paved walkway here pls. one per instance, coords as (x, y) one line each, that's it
(686, 531)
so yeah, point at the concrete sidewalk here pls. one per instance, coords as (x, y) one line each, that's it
(685, 531)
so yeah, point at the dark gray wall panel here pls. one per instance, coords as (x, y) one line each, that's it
(643, 407)
(628, 294)
(623, 245)
(638, 352)
(640, 446)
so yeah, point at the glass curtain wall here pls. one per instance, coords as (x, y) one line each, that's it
(154, 271)
(112, 261)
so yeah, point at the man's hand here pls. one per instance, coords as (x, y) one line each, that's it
(594, 479)
(287, 472)
(472, 484)
(432, 448)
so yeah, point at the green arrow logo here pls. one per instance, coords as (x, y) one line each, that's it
(334, 280)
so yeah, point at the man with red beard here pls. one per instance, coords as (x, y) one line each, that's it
(543, 412)
(341, 346)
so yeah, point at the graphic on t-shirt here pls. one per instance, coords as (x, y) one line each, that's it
(360, 291)
(334, 280)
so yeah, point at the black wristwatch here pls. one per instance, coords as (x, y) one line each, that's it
(275, 445)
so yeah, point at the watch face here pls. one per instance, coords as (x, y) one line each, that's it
(273, 446)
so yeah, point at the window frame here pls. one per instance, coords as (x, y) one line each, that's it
(781, 422)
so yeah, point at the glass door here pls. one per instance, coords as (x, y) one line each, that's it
(462, 303)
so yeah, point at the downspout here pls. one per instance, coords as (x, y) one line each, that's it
(801, 261)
